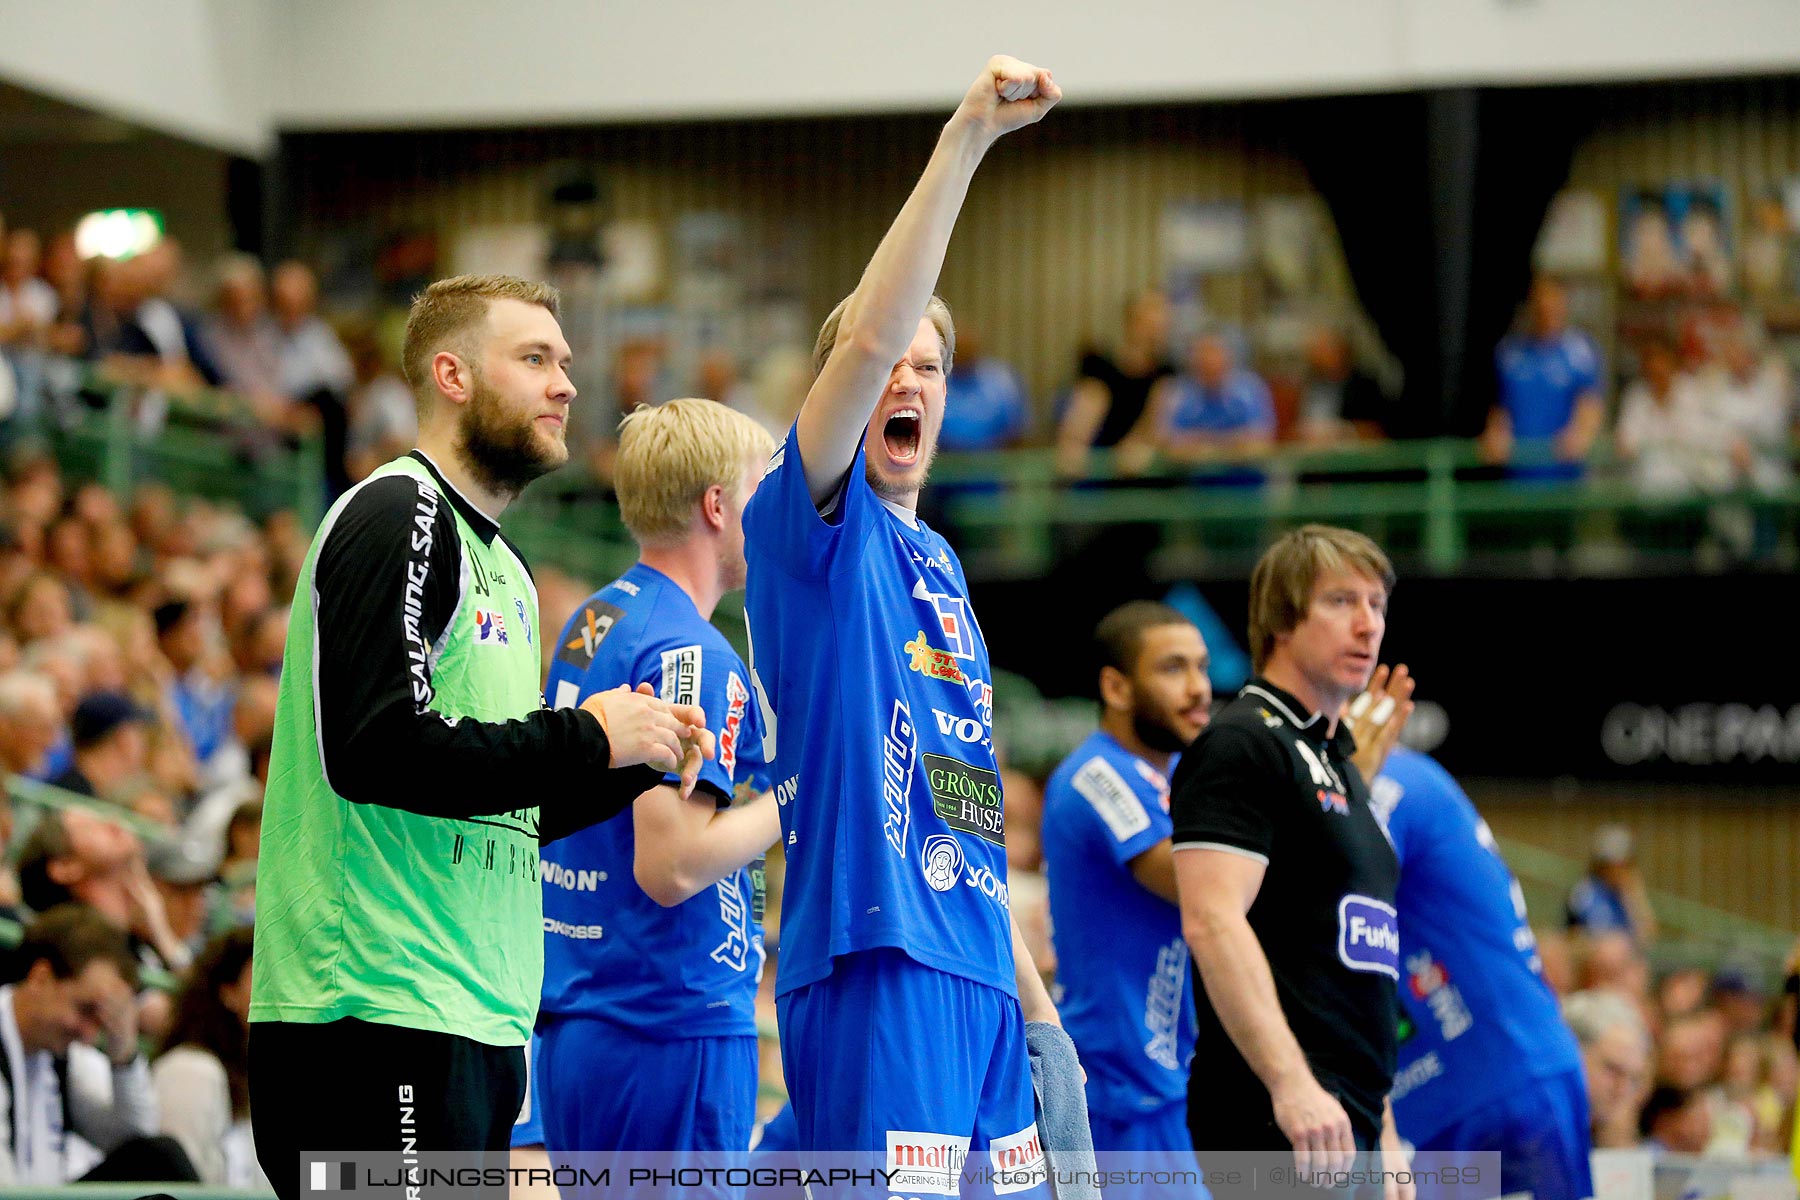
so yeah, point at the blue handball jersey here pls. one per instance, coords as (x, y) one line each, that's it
(1477, 1017)
(1122, 967)
(880, 713)
(610, 951)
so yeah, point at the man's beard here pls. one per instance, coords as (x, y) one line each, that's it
(1153, 730)
(502, 450)
(895, 493)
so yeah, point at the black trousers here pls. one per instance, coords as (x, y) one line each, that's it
(351, 1086)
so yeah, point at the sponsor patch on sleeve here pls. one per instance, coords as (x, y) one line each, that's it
(1112, 798)
(681, 675)
(1369, 936)
(589, 629)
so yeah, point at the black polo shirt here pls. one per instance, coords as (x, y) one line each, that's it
(1263, 780)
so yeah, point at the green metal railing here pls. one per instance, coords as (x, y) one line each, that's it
(1435, 498)
(210, 444)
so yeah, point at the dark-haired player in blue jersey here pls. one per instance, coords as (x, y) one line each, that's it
(1486, 1062)
(653, 926)
(1123, 983)
(903, 987)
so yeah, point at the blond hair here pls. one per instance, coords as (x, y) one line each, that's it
(1281, 587)
(936, 311)
(446, 315)
(669, 454)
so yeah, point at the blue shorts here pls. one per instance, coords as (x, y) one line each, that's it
(1156, 1141)
(528, 1130)
(606, 1089)
(894, 1059)
(1541, 1134)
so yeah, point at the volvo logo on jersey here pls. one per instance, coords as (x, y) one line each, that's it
(1369, 936)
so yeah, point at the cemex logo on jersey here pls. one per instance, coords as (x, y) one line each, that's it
(737, 696)
(595, 622)
(942, 861)
(899, 750)
(966, 797)
(490, 628)
(933, 663)
(953, 619)
(1333, 802)
(1018, 1161)
(1369, 936)
(925, 1162)
(681, 675)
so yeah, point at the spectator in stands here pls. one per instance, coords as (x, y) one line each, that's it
(716, 378)
(28, 305)
(202, 697)
(1342, 402)
(172, 330)
(1676, 1121)
(201, 1072)
(30, 722)
(40, 609)
(72, 1063)
(1671, 433)
(637, 379)
(1703, 240)
(315, 369)
(1612, 895)
(1112, 395)
(82, 856)
(1549, 378)
(1691, 1051)
(1752, 392)
(1737, 994)
(236, 903)
(64, 271)
(111, 739)
(1653, 264)
(1615, 1052)
(384, 418)
(1216, 410)
(986, 407)
(242, 336)
(778, 387)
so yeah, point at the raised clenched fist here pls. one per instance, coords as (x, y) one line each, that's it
(1008, 95)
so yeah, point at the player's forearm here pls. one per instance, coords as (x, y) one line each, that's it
(1235, 972)
(883, 314)
(1034, 997)
(674, 869)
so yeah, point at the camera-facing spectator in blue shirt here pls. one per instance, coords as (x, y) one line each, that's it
(1214, 411)
(1550, 404)
(987, 407)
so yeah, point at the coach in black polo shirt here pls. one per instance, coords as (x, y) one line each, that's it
(1286, 880)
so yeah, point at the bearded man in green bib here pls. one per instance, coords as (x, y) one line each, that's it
(416, 771)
